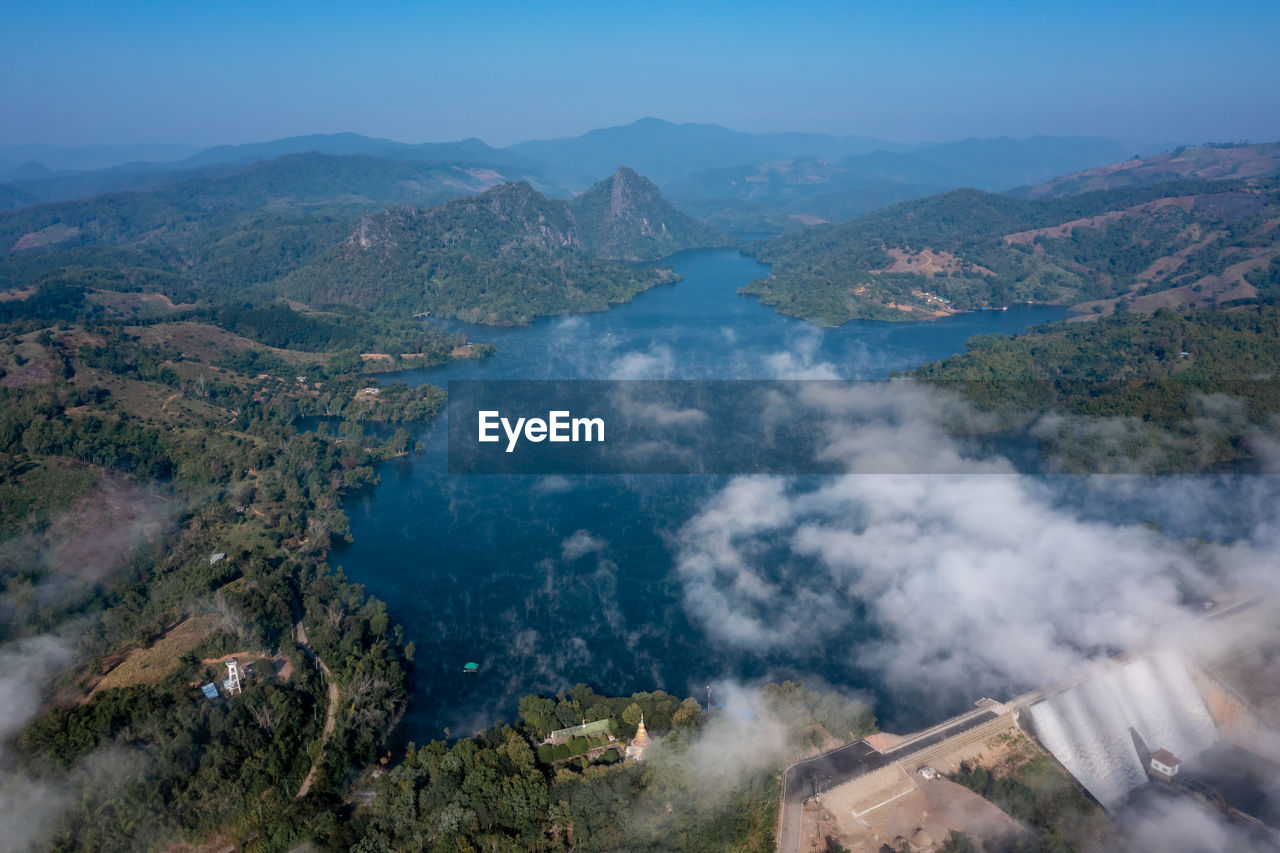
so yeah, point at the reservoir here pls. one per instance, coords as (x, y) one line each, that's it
(550, 581)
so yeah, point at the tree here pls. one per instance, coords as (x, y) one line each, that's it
(632, 715)
(539, 713)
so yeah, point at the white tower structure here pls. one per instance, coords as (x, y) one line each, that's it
(232, 684)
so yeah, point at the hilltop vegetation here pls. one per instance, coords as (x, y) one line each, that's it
(215, 239)
(506, 256)
(626, 218)
(1177, 390)
(1214, 161)
(166, 214)
(1187, 242)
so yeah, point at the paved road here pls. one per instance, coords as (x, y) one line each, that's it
(823, 772)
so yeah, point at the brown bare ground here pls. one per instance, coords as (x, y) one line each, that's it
(919, 820)
(151, 665)
(929, 262)
(895, 805)
(36, 372)
(202, 342)
(1220, 287)
(883, 741)
(56, 233)
(134, 303)
(100, 530)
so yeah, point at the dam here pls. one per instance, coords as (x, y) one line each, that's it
(1089, 727)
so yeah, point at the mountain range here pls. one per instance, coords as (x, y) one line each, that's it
(693, 163)
(1191, 226)
(401, 236)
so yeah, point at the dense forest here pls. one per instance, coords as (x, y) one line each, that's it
(708, 782)
(1175, 390)
(504, 257)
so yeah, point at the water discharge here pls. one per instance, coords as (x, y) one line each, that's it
(1087, 727)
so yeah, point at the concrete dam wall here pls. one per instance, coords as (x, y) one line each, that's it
(1087, 727)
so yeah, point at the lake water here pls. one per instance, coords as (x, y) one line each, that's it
(551, 581)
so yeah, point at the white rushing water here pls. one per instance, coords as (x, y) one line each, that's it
(1087, 726)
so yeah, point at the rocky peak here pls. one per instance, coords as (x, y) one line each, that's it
(628, 191)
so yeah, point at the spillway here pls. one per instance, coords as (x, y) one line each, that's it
(1086, 727)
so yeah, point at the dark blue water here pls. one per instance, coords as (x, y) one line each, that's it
(484, 568)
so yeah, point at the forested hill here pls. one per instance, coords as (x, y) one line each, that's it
(505, 257)
(1213, 162)
(1188, 242)
(625, 217)
(300, 180)
(1175, 390)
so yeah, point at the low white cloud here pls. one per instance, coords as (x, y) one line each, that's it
(978, 579)
(580, 544)
(657, 362)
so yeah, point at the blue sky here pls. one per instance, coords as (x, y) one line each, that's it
(226, 72)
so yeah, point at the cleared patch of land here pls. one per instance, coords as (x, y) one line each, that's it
(203, 342)
(896, 805)
(151, 665)
(919, 819)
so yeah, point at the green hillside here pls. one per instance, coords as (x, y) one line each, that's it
(1190, 242)
(1216, 161)
(1175, 390)
(626, 218)
(504, 257)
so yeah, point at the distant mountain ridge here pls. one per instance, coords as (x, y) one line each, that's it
(675, 156)
(815, 189)
(1210, 162)
(297, 180)
(665, 151)
(467, 151)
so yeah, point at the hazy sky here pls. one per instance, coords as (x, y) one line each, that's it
(215, 72)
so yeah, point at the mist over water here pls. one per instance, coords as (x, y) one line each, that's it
(610, 580)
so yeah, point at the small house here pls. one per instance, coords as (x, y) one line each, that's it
(1165, 764)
